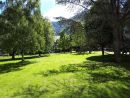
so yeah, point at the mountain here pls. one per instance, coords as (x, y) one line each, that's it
(57, 28)
(78, 17)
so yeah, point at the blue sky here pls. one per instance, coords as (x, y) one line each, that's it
(47, 5)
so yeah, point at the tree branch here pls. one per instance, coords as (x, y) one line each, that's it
(71, 2)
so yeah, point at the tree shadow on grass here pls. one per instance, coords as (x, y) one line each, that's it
(29, 57)
(110, 59)
(105, 58)
(91, 80)
(72, 88)
(9, 67)
(83, 53)
(99, 80)
(71, 68)
(31, 91)
(106, 74)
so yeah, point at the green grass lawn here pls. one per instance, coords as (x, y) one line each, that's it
(64, 76)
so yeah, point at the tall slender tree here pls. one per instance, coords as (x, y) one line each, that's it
(49, 36)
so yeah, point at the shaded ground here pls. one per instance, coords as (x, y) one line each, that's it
(110, 58)
(10, 67)
(93, 80)
(19, 58)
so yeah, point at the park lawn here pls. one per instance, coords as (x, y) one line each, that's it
(64, 76)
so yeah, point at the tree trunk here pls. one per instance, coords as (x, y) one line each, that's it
(13, 55)
(117, 39)
(102, 48)
(39, 54)
(90, 51)
(117, 45)
(116, 29)
(22, 55)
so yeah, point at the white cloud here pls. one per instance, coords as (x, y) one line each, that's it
(58, 11)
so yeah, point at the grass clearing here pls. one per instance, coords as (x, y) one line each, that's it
(64, 76)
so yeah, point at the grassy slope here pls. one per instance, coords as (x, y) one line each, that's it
(47, 77)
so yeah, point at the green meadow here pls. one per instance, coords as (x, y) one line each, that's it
(67, 75)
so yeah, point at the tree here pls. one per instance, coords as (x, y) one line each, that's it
(38, 27)
(76, 31)
(78, 40)
(23, 28)
(49, 36)
(64, 42)
(117, 13)
(9, 36)
(117, 16)
(98, 27)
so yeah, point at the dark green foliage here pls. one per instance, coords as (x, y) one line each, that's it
(78, 40)
(107, 21)
(64, 42)
(74, 35)
(49, 36)
(24, 30)
(98, 27)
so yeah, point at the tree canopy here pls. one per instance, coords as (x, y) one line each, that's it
(107, 16)
(24, 29)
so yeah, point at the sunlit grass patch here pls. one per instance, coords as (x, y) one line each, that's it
(64, 76)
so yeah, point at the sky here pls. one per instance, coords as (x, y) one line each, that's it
(51, 10)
